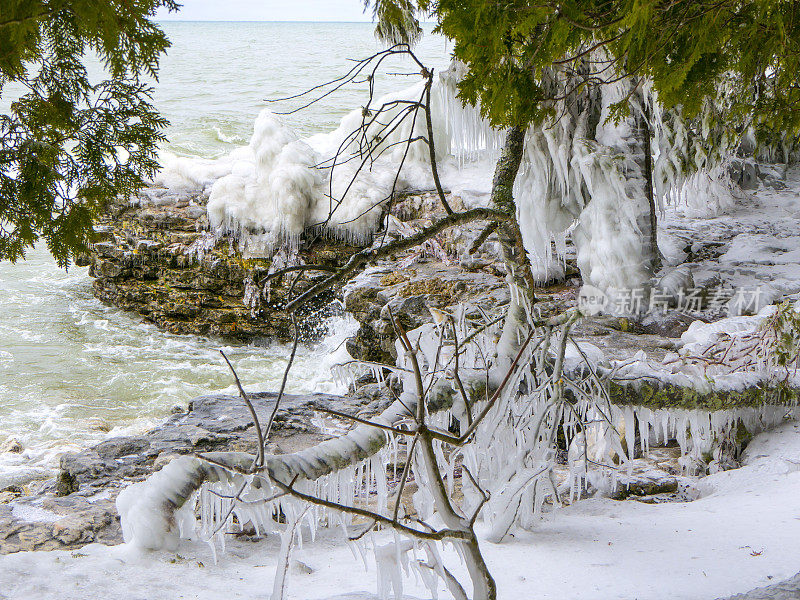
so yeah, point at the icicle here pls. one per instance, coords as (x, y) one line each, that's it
(288, 538)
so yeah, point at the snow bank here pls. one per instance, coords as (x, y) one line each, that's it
(729, 354)
(740, 534)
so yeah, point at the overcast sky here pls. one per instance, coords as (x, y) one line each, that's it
(269, 10)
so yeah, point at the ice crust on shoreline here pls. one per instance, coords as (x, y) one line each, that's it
(267, 193)
(739, 534)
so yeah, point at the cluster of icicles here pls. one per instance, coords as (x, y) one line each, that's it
(266, 194)
(583, 174)
(512, 456)
(706, 438)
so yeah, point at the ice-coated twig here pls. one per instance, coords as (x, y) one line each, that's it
(251, 409)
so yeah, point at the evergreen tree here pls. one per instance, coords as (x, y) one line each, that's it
(68, 144)
(720, 68)
(685, 47)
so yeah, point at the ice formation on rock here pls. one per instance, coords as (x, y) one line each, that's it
(268, 192)
(581, 172)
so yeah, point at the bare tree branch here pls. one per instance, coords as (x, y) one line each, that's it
(283, 382)
(253, 415)
(370, 255)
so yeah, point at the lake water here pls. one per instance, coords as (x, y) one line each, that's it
(71, 367)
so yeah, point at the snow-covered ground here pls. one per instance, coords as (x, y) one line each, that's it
(757, 239)
(743, 532)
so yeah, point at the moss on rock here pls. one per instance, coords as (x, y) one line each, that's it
(144, 261)
(655, 396)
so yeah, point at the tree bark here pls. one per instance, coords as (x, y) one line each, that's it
(513, 251)
(644, 133)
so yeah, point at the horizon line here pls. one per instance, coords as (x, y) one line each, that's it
(162, 20)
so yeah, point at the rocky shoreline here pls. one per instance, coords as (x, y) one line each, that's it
(77, 506)
(157, 258)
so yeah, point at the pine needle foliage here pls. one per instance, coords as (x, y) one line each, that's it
(687, 48)
(68, 144)
(396, 21)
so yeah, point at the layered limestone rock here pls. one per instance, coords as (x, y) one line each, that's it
(158, 259)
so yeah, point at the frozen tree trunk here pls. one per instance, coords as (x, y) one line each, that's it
(644, 160)
(484, 587)
(513, 251)
(515, 258)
